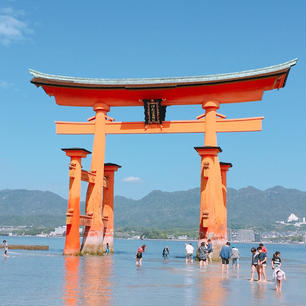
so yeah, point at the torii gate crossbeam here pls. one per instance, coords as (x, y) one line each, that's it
(168, 127)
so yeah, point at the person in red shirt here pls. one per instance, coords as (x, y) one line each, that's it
(264, 249)
(140, 250)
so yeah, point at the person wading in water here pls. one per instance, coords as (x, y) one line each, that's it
(140, 250)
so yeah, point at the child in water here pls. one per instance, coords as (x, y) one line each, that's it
(279, 276)
(254, 264)
(276, 261)
(262, 264)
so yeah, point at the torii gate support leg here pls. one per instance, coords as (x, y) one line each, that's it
(72, 242)
(212, 212)
(108, 205)
(224, 168)
(93, 235)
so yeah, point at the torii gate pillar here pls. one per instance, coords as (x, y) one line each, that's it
(212, 212)
(108, 205)
(93, 235)
(224, 168)
(72, 242)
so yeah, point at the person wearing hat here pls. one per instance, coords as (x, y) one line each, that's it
(279, 277)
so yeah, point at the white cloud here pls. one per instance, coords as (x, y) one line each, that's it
(12, 28)
(131, 179)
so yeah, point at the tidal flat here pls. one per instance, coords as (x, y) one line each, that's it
(49, 278)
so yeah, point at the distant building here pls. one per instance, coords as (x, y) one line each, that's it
(182, 237)
(229, 234)
(257, 237)
(292, 218)
(244, 235)
(59, 231)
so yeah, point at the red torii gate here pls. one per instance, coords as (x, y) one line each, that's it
(154, 95)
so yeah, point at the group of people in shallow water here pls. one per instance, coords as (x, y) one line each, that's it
(259, 264)
(204, 252)
(204, 255)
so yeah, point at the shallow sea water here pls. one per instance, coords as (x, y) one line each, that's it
(48, 278)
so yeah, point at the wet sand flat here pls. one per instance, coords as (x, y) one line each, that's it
(48, 278)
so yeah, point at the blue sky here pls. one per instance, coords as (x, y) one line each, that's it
(121, 39)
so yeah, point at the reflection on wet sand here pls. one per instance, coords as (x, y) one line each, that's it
(258, 290)
(212, 287)
(189, 284)
(87, 280)
(71, 283)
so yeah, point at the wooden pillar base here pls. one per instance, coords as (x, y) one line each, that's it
(93, 240)
(217, 245)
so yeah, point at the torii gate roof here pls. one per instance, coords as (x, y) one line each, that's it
(241, 86)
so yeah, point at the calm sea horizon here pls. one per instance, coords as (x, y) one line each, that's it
(49, 278)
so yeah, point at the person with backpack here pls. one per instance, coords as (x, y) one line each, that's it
(235, 256)
(202, 254)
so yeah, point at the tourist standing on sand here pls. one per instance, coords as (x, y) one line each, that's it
(209, 250)
(254, 264)
(225, 255)
(140, 250)
(202, 254)
(262, 264)
(189, 252)
(5, 247)
(235, 256)
(165, 253)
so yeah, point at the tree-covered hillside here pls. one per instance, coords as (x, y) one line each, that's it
(247, 207)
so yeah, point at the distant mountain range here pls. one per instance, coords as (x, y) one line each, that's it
(32, 207)
(247, 207)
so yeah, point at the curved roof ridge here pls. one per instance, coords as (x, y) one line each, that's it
(167, 80)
